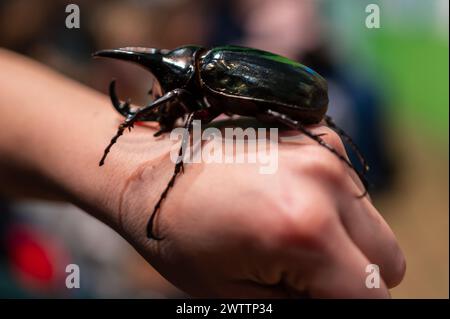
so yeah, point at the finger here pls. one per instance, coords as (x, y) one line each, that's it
(366, 227)
(375, 239)
(319, 255)
(343, 274)
(361, 220)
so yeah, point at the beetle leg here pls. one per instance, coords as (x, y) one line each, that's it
(206, 115)
(344, 135)
(138, 115)
(178, 168)
(282, 118)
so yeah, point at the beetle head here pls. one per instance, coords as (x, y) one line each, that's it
(172, 68)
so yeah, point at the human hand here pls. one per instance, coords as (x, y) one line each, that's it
(230, 231)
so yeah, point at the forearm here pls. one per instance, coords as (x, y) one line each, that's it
(53, 132)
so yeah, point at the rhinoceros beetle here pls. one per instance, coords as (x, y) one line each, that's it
(201, 83)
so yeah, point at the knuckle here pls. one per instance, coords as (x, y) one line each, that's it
(314, 225)
(304, 225)
(324, 165)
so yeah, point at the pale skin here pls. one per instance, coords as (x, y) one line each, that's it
(228, 230)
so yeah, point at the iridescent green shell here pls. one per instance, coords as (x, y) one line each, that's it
(259, 75)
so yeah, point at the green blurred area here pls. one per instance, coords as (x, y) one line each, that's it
(407, 56)
(417, 66)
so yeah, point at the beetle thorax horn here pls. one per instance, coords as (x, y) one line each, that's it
(172, 69)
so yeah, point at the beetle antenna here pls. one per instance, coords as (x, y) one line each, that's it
(352, 144)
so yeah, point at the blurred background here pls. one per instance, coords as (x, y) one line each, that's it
(388, 89)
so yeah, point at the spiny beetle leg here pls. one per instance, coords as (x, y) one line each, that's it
(206, 115)
(178, 168)
(282, 118)
(344, 135)
(141, 113)
(113, 141)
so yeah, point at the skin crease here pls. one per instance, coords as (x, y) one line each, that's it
(228, 230)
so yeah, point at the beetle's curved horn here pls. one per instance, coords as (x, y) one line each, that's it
(161, 63)
(151, 59)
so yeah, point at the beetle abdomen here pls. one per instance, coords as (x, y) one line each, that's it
(264, 78)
